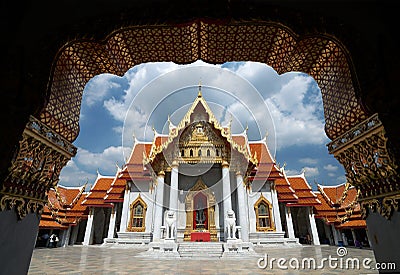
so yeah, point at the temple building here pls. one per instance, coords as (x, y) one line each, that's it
(63, 215)
(203, 183)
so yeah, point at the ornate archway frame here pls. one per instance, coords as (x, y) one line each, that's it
(130, 228)
(200, 186)
(271, 217)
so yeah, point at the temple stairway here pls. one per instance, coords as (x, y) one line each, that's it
(200, 250)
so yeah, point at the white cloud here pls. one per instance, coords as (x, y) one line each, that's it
(104, 161)
(296, 121)
(291, 172)
(308, 160)
(98, 88)
(311, 171)
(331, 168)
(331, 174)
(72, 175)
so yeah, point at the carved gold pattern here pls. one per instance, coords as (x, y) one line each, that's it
(260, 200)
(35, 169)
(319, 55)
(200, 187)
(368, 163)
(130, 227)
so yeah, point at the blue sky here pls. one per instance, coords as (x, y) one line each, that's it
(289, 107)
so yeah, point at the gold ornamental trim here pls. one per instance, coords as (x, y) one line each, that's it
(22, 205)
(384, 206)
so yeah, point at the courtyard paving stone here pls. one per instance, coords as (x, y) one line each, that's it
(85, 260)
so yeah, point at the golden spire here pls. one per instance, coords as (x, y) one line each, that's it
(199, 93)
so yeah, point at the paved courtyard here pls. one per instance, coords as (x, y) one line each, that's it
(125, 260)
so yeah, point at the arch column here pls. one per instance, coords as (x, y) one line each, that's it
(226, 187)
(242, 207)
(173, 194)
(158, 211)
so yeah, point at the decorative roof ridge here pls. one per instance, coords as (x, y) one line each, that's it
(81, 191)
(328, 199)
(282, 171)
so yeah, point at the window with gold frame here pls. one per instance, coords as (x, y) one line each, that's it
(137, 215)
(264, 219)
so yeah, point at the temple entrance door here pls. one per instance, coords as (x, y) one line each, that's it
(200, 220)
(200, 213)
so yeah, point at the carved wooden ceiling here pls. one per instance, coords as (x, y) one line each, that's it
(320, 56)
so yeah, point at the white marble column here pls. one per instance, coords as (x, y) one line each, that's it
(158, 211)
(313, 226)
(89, 228)
(111, 226)
(289, 222)
(275, 208)
(353, 233)
(65, 237)
(125, 208)
(345, 242)
(226, 187)
(242, 207)
(173, 193)
(335, 234)
(328, 231)
(74, 235)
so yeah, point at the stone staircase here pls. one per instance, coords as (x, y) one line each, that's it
(200, 250)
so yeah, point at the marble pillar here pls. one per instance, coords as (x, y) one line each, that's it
(242, 207)
(158, 211)
(88, 239)
(313, 226)
(125, 208)
(289, 222)
(173, 194)
(226, 187)
(275, 208)
(111, 227)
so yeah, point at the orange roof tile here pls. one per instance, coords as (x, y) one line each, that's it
(63, 208)
(51, 224)
(98, 192)
(261, 149)
(353, 224)
(136, 157)
(239, 139)
(285, 192)
(332, 193)
(306, 196)
(115, 193)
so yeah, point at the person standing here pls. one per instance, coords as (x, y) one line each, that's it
(53, 240)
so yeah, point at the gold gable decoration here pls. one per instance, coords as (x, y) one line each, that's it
(174, 132)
